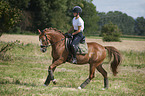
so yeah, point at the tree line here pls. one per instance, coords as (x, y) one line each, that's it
(40, 14)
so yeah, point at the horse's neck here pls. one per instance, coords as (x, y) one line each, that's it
(57, 39)
(56, 36)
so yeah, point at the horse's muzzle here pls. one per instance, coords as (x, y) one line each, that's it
(43, 49)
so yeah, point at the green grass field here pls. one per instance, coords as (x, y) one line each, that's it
(23, 71)
(124, 37)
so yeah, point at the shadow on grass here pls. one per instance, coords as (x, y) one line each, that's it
(17, 82)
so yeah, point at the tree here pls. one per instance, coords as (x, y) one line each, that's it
(122, 20)
(140, 26)
(49, 13)
(90, 18)
(8, 16)
(20, 4)
(110, 32)
(54, 13)
(59, 19)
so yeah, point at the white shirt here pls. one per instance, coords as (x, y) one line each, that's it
(78, 22)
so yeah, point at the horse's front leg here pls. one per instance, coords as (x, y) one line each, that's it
(51, 69)
(49, 78)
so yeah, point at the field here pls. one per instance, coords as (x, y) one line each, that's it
(23, 70)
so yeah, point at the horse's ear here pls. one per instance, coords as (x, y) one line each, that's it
(39, 31)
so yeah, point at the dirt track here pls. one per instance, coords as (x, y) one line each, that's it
(124, 45)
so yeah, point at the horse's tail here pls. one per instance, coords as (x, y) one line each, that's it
(113, 52)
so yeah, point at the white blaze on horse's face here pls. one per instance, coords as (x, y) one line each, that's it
(41, 44)
(43, 47)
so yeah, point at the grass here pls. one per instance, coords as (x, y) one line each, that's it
(135, 38)
(123, 37)
(24, 70)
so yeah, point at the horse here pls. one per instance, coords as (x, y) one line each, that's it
(95, 56)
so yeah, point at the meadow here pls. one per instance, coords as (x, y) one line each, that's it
(23, 70)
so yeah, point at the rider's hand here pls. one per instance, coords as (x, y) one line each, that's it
(68, 34)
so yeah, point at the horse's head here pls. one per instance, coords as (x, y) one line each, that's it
(44, 40)
(50, 36)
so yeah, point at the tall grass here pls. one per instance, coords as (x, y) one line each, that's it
(134, 59)
(25, 71)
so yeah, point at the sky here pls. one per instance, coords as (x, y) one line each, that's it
(133, 8)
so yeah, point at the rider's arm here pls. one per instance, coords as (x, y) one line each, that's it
(79, 30)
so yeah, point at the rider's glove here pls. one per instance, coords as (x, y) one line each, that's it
(68, 34)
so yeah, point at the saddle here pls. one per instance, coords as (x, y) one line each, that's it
(82, 47)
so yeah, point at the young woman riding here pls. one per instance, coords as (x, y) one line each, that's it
(78, 27)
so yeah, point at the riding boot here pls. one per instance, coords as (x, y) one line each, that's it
(74, 60)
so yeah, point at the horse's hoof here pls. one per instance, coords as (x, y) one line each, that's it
(54, 81)
(104, 88)
(79, 88)
(44, 85)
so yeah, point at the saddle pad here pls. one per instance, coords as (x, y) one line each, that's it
(82, 47)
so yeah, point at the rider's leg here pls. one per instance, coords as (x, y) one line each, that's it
(76, 40)
(73, 51)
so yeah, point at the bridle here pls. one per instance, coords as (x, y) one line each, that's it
(46, 40)
(42, 46)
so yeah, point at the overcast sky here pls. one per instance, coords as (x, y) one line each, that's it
(133, 8)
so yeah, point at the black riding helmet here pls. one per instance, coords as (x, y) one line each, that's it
(77, 9)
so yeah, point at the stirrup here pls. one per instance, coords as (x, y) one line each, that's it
(74, 60)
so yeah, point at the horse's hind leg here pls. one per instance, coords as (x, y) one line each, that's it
(104, 73)
(91, 76)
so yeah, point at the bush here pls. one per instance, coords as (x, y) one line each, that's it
(8, 16)
(18, 30)
(110, 32)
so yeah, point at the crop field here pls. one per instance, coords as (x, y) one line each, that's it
(23, 70)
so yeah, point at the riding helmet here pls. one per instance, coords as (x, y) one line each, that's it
(77, 9)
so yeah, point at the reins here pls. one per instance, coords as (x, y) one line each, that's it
(53, 43)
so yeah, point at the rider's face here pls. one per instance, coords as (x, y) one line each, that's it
(75, 14)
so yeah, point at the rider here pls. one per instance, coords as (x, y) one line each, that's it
(78, 27)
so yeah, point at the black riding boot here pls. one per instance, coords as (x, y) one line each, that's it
(75, 41)
(73, 51)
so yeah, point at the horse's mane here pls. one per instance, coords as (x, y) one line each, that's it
(56, 30)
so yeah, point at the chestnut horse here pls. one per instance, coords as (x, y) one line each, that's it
(95, 57)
